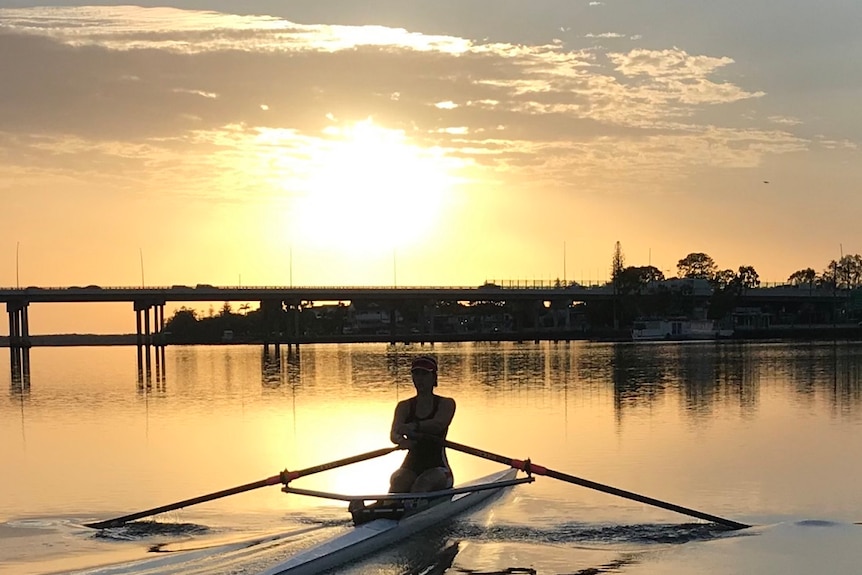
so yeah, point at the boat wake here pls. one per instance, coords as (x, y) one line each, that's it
(648, 533)
(138, 530)
(197, 555)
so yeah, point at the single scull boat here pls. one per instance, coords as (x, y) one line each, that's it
(418, 511)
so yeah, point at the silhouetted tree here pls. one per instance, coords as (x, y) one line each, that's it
(617, 267)
(634, 279)
(748, 277)
(723, 279)
(848, 271)
(184, 319)
(618, 263)
(829, 275)
(696, 265)
(802, 277)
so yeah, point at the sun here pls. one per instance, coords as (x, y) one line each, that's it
(366, 187)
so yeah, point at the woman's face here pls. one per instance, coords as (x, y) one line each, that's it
(423, 380)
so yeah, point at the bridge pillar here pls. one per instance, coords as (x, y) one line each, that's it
(150, 325)
(272, 324)
(19, 342)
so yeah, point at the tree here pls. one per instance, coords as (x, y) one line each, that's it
(802, 277)
(618, 263)
(183, 323)
(696, 265)
(748, 277)
(724, 279)
(848, 271)
(829, 275)
(633, 279)
(617, 267)
(651, 274)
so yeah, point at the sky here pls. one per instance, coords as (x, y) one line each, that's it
(393, 142)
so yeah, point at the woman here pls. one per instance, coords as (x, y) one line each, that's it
(420, 425)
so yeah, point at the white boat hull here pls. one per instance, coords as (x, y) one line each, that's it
(675, 330)
(379, 533)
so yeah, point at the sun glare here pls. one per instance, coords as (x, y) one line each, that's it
(367, 188)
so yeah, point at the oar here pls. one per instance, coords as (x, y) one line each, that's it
(283, 477)
(539, 470)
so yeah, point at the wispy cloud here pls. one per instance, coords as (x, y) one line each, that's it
(140, 85)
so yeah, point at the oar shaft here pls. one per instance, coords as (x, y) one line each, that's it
(539, 470)
(283, 477)
(645, 499)
(117, 521)
(287, 476)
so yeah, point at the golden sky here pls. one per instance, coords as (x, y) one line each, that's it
(317, 143)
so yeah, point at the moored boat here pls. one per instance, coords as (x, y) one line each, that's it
(676, 330)
(407, 514)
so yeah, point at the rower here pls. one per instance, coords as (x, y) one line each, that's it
(420, 425)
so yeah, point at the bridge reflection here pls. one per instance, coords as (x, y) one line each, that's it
(151, 367)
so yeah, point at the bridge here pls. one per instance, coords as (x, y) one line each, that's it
(148, 303)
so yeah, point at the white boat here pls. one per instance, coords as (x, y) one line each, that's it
(676, 329)
(367, 537)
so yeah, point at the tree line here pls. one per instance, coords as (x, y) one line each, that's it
(845, 273)
(640, 291)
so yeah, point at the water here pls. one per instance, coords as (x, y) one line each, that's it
(761, 433)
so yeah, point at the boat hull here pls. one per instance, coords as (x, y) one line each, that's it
(676, 330)
(380, 533)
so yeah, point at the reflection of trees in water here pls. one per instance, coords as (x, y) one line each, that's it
(815, 371)
(832, 370)
(737, 376)
(704, 375)
(717, 373)
(731, 373)
(847, 383)
(637, 377)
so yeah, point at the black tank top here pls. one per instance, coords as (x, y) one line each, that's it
(427, 453)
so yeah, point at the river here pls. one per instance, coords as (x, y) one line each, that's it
(767, 434)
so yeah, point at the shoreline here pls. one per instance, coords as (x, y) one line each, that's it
(798, 332)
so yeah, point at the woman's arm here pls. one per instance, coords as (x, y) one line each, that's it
(438, 424)
(399, 426)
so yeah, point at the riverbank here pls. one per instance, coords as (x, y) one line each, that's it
(780, 333)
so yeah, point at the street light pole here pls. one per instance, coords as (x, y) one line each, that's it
(141, 253)
(17, 279)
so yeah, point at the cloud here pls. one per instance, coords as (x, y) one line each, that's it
(605, 35)
(168, 94)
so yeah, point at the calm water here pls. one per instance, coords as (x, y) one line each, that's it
(767, 434)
